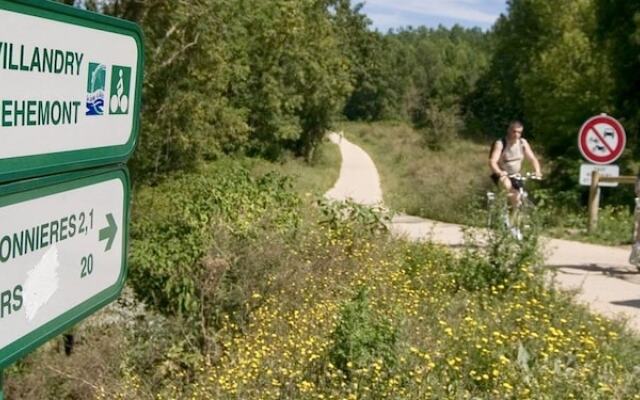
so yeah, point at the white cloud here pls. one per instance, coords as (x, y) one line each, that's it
(467, 10)
(386, 20)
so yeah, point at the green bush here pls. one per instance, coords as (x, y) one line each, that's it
(497, 258)
(440, 126)
(348, 216)
(362, 337)
(191, 238)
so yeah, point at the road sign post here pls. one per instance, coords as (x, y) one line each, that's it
(71, 87)
(63, 243)
(601, 141)
(594, 201)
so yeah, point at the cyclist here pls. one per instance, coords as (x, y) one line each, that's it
(505, 160)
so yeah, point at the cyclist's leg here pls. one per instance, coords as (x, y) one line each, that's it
(513, 196)
(516, 213)
(505, 184)
(490, 199)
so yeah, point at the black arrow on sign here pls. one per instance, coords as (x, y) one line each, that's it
(109, 232)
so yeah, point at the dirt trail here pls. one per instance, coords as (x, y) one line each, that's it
(602, 275)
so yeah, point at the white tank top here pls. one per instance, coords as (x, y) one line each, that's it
(511, 158)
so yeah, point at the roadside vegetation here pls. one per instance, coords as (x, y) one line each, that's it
(244, 284)
(238, 289)
(311, 179)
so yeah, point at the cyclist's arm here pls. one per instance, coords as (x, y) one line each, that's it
(495, 157)
(528, 153)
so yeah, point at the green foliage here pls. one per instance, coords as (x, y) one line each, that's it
(223, 76)
(418, 257)
(567, 79)
(362, 337)
(618, 33)
(440, 127)
(190, 51)
(379, 69)
(498, 258)
(296, 80)
(409, 73)
(447, 64)
(546, 70)
(347, 217)
(181, 258)
(614, 228)
(309, 179)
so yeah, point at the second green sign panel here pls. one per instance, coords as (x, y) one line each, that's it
(63, 243)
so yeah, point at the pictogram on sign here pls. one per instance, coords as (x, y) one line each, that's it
(601, 139)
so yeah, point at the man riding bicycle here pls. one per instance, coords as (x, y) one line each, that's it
(506, 159)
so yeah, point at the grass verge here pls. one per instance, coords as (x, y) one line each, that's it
(250, 296)
(313, 178)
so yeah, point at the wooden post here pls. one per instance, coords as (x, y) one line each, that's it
(594, 201)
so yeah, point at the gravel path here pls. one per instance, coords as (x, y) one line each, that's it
(601, 275)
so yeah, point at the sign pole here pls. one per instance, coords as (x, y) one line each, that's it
(594, 201)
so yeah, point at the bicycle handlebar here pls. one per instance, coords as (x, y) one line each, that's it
(525, 177)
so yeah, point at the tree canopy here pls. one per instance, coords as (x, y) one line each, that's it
(269, 77)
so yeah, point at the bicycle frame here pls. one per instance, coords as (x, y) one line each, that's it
(514, 218)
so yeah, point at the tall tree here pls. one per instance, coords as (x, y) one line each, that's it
(296, 79)
(619, 33)
(567, 79)
(224, 75)
(546, 70)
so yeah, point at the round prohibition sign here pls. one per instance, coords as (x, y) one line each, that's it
(601, 139)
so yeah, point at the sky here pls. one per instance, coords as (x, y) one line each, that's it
(387, 14)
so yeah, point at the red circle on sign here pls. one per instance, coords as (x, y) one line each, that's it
(599, 139)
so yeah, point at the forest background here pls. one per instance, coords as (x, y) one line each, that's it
(268, 78)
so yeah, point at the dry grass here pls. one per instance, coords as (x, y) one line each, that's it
(446, 185)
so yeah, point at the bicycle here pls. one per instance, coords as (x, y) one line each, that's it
(515, 221)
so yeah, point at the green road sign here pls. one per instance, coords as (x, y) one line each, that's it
(70, 88)
(63, 242)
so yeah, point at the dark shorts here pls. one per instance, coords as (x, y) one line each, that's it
(515, 183)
